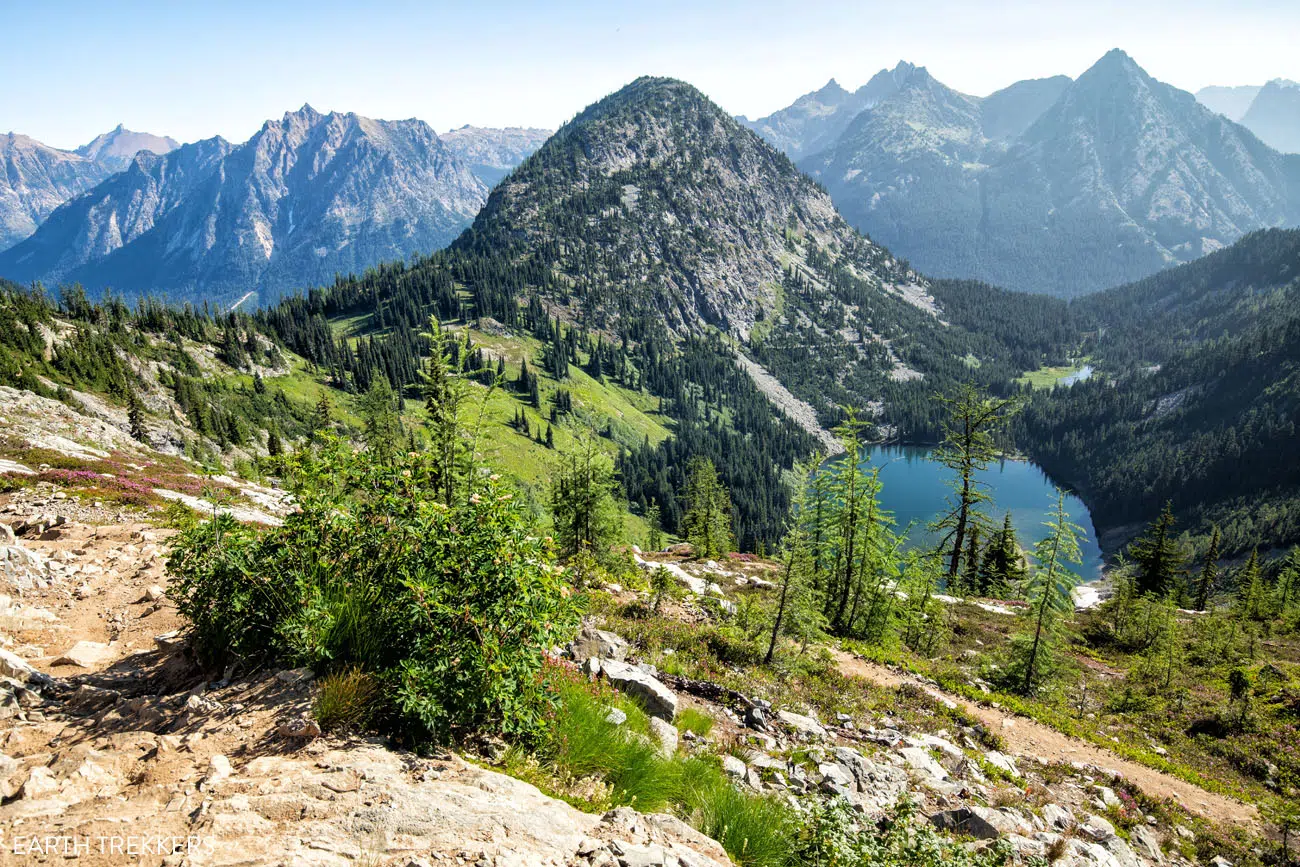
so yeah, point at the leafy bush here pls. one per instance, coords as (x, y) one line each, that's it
(452, 607)
(832, 836)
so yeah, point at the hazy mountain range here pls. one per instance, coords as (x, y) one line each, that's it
(1050, 185)
(37, 178)
(308, 196)
(492, 153)
(1270, 111)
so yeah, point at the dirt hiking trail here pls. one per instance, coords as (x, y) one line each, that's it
(1026, 737)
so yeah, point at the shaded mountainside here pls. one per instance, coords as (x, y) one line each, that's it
(1197, 400)
(305, 198)
(1055, 186)
(815, 120)
(1231, 102)
(492, 153)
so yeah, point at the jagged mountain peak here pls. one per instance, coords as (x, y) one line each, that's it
(308, 196)
(118, 147)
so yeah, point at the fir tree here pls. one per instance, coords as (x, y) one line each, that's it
(583, 507)
(1156, 556)
(1209, 573)
(653, 519)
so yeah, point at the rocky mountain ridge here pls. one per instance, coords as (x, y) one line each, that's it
(307, 197)
(37, 178)
(1026, 188)
(492, 153)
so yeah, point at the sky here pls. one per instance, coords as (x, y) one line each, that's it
(192, 70)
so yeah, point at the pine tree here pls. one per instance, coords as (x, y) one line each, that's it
(550, 436)
(1048, 594)
(707, 522)
(1209, 573)
(1156, 556)
(274, 448)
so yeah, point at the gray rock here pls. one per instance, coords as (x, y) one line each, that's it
(1058, 817)
(1097, 828)
(838, 775)
(666, 734)
(983, 823)
(921, 760)
(658, 700)
(733, 767)
(1147, 843)
(592, 642)
(20, 669)
(616, 716)
(1002, 762)
(803, 725)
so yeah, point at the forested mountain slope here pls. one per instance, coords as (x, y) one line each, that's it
(1197, 400)
(648, 242)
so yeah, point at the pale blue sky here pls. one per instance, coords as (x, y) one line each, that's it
(192, 70)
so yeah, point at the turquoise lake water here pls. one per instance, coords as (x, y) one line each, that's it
(915, 491)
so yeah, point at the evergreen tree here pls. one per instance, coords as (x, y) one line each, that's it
(707, 521)
(1156, 556)
(1209, 573)
(383, 423)
(321, 421)
(583, 507)
(1288, 583)
(1048, 593)
(135, 416)
(1002, 568)
(550, 437)
(274, 448)
(1249, 603)
(796, 603)
(655, 534)
(967, 447)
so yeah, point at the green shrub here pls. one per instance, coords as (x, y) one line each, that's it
(451, 606)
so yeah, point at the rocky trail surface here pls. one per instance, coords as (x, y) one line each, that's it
(1029, 738)
(114, 749)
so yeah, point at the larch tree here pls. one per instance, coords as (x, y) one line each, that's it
(1209, 573)
(968, 446)
(1048, 593)
(707, 521)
